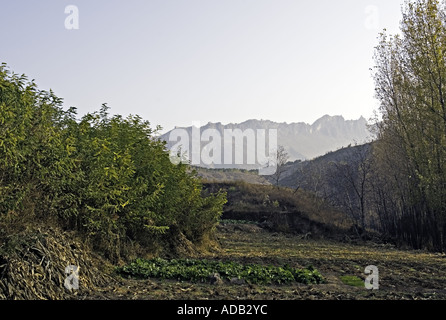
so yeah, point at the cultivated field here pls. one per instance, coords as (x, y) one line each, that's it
(403, 274)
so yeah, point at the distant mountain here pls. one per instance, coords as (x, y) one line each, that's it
(302, 141)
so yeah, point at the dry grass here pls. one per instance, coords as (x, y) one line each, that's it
(33, 263)
(245, 198)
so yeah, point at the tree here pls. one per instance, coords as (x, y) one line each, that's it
(352, 179)
(281, 160)
(410, 81)
(344, 182)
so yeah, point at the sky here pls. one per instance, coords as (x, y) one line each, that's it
(183, 62)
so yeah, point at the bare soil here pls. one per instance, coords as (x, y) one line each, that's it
(403, 274)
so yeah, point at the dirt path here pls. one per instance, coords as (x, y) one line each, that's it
(403, 275)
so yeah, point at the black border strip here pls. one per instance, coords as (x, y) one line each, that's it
(227, 309)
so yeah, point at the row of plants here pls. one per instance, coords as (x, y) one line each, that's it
(196, 270)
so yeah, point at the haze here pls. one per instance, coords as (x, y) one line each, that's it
(179, 62)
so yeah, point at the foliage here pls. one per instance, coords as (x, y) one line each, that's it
(410, 78)
(199, 271)
(106, 176)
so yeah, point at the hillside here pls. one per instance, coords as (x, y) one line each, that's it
(307, 174)
(231, 175)
(303, 174)
(281, 209)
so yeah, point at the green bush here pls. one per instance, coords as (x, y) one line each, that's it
(106, 176)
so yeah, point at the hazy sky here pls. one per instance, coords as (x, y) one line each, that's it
(175, 62)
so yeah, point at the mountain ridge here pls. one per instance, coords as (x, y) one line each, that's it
(324, 117)
(301, 140)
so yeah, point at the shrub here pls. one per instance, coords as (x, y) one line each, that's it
(106, 176)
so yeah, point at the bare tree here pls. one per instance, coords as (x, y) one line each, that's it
(354, 176)
(346, 183)
(281, 160)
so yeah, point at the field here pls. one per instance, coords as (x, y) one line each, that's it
(403, 274)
